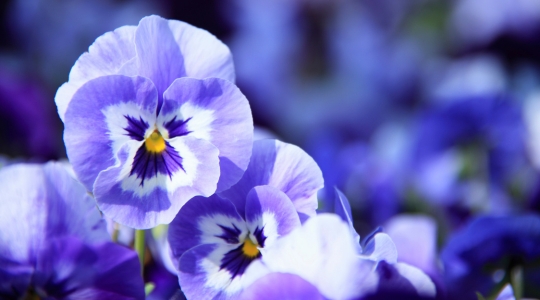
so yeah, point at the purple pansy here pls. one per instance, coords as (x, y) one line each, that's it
(214, 240)
(146, 144)
(53, 242)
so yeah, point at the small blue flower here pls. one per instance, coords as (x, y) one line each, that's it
(53, 242)
(214, 240)
(141, 135)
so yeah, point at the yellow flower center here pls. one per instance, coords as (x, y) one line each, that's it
(250, 249)
(155, 142)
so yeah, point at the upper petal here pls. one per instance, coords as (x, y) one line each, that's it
(204, 55)
(219, 113)
(105, 56)
(285, 167)
(159, 56)
(97, 118)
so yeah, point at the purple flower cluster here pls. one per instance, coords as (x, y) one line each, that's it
(161, 146)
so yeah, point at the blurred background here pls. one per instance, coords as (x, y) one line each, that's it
(418, 106)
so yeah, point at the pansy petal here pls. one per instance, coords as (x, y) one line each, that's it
(43, 201)
(158, 53)
(322, 252)
(203, 221)
(97, 121)
(129, 200)
(281, 286)
(381, 247)
(202, 276)
(106, 56)
(218, 112)
(84, 271)
(285, 167)
(204, 55)
(269, 214)
(343, 209)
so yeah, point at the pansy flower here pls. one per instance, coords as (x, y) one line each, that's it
(53, 242)
(142, 136)
(214, 240)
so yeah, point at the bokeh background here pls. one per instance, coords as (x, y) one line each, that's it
(418, 106)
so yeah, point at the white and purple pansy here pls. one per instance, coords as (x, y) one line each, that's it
(146, 143)
(215, 239)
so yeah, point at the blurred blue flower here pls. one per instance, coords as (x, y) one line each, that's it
(53, 242)
(485, 253)
(469, 153)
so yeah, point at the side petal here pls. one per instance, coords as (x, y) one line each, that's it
(122, 196)
(97, 118)
(204, 55)
(158, 53)
(380, 247)
(285, 167)
(106, 56)
(218, 112)
(281, 286)
(211, 220)
(269, 214)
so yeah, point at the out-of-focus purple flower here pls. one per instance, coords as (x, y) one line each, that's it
(29, 127)
(155, 140)
(214, 240)
(484, 253)
(470, 150)
(475, 25)
(53, 242)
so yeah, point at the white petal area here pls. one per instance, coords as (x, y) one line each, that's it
(117, 122)
(381, 247)
(270, 231)
(199, 125)
(198, 161)
(105, 56)
(322, 252)
(204, 55)
(209, 226)
(421, 282)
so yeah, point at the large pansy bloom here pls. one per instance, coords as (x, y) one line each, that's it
(53, 241)
(146, 144)
(215, 239)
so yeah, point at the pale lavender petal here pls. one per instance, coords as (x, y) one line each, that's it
(423, 285)
(205, 221)
(380, 247)
(322, 252)
(204, 55)
(269, 214)
(343, 209)
(158, 54)
(42, 201)
(99, 120)
(415, 240)
(128, 200)
(281, 286)
(507, 293)
(106, 56)
(214, 110)
(285, 167)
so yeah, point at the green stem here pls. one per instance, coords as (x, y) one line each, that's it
(516, 279)
(139, 247)
(116, 232)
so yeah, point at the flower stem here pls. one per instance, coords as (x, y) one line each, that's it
(139, 247)
(516, 279)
